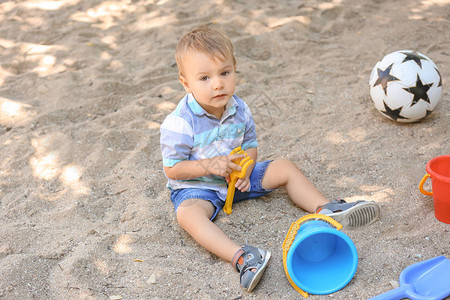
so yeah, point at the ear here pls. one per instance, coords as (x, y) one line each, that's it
(185, 83)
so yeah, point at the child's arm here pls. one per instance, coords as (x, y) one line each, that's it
(253, 153)
(189, 169)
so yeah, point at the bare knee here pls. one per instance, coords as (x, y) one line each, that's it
(193, 209)
(289, 170)
(285, 168)
(279, 173)
(285, 163)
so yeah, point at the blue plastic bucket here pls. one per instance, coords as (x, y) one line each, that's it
(318, 258)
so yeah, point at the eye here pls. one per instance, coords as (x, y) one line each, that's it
(204, 78)
(225, 73)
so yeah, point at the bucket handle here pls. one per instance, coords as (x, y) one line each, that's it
(422, 182)
(290, 239)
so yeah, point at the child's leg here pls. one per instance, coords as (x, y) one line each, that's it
(303, 193)
(194, 216)
(300, 190)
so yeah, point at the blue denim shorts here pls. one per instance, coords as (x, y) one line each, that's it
(256, 190)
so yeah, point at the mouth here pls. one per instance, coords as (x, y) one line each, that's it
(219, 96)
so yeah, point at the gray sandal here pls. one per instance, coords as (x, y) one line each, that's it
(253, 266)
(353, 214)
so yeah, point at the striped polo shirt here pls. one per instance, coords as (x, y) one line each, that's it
(191, 133)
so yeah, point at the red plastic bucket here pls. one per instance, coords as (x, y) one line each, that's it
(439, 170)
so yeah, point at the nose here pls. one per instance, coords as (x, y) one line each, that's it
(217, 83)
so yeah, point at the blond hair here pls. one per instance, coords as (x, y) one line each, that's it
(205, 39)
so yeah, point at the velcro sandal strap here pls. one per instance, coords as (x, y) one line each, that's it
(235, 259)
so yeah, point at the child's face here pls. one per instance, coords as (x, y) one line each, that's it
(210, 80)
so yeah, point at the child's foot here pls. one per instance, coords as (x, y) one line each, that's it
(353, 214)
(250, 262)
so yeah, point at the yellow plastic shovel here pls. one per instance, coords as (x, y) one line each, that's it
(244, 163)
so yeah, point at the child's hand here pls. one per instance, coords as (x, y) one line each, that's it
(224, 165)
(243, 184)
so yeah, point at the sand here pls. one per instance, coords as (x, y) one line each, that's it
(85, 85)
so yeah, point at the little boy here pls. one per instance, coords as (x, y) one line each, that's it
(196, 140)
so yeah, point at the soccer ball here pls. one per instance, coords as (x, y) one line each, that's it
(405, 86)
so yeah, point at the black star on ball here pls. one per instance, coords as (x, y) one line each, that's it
(394, 114)
(384, 77)
(414, 56)
(419, 91)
